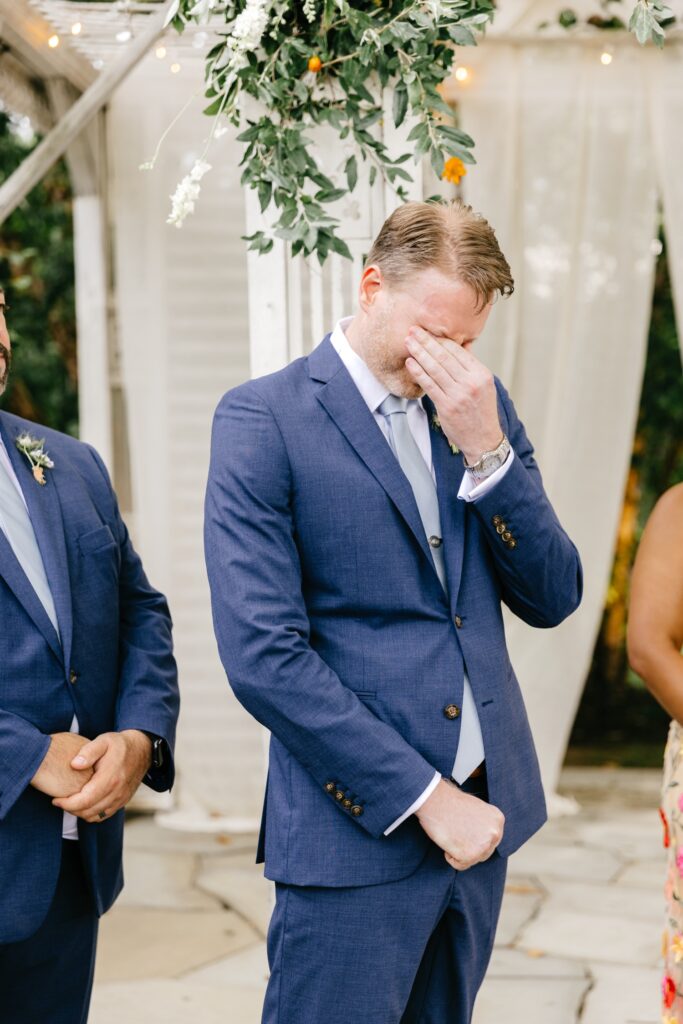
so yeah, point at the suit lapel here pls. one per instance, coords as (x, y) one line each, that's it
(48, 525)
(343, 402)
(449, 470)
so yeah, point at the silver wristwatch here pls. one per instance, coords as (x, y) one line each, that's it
(489, 462)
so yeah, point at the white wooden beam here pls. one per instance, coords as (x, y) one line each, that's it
(21, 93)
(36, 165)
(26, 32)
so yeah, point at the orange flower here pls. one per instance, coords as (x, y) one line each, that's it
(665, 823)
(677, 948)
(668, 991)
(314, 64)
(453, 170)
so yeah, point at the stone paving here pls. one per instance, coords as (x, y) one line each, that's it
(579, 938)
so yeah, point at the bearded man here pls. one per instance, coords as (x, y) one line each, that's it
(88, 709)
(369, 509)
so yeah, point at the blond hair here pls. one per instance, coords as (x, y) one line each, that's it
(449, 236)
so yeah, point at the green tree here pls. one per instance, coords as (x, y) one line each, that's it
(37, 272)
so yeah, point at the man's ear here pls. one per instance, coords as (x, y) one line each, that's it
(371, 284)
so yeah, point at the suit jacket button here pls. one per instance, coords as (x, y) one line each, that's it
(506, 535)
(356, 810)
(330, 787)
(347, 803)
(458, 621)
(501, 528)
(512, 543)
(339, 795)
(73, 676)
(451, 711)
(434, 541)
(496, 520)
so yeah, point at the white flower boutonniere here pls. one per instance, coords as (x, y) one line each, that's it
(33, 450)
(436, 423)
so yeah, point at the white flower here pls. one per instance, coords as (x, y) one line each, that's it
(187, 193)
(310, 10)
(247, 31)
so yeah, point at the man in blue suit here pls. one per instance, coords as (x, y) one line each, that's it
(88, 708)
(369, 509)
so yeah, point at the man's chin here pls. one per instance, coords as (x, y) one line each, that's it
(404, 386)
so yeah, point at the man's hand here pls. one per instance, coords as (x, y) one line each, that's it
(55, 776)
(467, 829)
(118, 762)
(462, 389)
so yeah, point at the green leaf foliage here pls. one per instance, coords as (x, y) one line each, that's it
(363, 47)
(37, 274)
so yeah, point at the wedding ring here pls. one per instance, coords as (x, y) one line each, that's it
(101, 815)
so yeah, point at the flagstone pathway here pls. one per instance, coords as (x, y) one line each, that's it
(578, 942)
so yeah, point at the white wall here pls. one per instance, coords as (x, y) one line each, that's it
(182, 312)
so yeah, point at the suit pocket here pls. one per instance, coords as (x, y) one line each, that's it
(96, 540)
(366, 694)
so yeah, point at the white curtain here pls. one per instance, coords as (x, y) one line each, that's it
(564, 174)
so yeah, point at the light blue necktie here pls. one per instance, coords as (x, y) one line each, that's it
(470, 751)
(15, 523)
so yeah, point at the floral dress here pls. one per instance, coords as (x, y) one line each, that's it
(671, 813)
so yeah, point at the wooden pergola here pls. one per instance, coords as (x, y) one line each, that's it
(60, 62)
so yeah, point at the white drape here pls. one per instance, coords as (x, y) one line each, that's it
(564, 175)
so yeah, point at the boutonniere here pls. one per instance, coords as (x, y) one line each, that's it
(33, 450)
(436, 423)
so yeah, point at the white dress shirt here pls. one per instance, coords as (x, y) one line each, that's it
(70, 823)
(374, 393)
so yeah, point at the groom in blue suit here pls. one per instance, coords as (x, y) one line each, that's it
(88, 708)
(369, 509)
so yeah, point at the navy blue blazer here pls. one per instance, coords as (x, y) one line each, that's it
(336, 634)
(114, 669)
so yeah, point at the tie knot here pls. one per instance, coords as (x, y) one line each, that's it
(394, 403)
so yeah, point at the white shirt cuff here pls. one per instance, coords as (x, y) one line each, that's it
(417, 805)
(469, 492)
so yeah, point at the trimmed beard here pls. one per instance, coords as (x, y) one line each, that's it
(383, 363)
(6, 357)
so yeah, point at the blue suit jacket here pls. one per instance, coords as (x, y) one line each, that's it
(114, 669)
(336, 634)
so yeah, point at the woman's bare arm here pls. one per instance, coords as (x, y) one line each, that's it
(655, 628)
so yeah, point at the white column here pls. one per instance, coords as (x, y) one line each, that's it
(94, 393)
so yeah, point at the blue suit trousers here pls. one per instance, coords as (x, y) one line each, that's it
(414, 951)
(47, 978)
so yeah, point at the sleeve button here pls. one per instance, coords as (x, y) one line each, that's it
(496, 520)
(339, 795)
(330, 787)
(356, 810)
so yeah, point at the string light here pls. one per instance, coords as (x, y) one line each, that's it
(161, 52)
(462, 74)
(606, 58)
(53, 42)
(124, 35)
(175, 68)
(76, 28)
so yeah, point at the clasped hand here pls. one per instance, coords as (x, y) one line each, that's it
(467, 829)
(94, 778)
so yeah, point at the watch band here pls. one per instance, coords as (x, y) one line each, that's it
(157, 749)
(489, 462)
